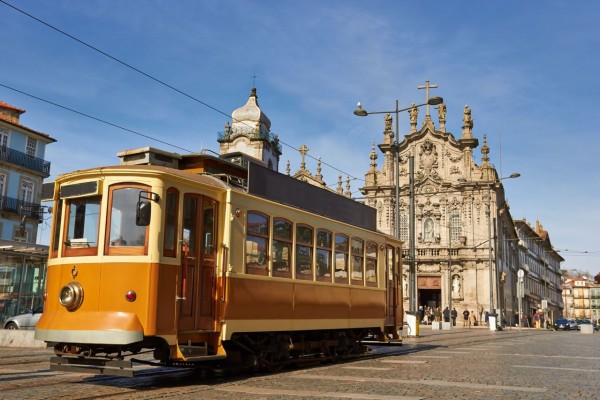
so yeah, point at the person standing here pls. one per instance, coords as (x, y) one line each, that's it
(487, 318)
(438, 315)
(453, 315)
(446, 314)
(465, 317)
(472, 319)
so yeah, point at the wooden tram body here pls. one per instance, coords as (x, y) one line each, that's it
(197, 269)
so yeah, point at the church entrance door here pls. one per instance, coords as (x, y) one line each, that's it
(430, 291)
(430, 298)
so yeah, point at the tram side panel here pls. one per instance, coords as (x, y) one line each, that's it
(266, 303)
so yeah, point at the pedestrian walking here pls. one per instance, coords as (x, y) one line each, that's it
(487, 318)
(465, 317)
(453, 315)
(536, 320)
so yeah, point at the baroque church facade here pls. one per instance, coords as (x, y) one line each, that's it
(466, 251)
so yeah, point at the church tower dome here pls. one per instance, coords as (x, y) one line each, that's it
(250, 134)
(250, 115)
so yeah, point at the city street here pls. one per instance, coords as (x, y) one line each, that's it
(459, 364)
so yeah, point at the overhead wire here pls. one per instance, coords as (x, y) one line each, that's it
(151, 77)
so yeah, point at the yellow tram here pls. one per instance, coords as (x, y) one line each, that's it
(206, 261)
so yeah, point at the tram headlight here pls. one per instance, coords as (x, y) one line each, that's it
(71, 296)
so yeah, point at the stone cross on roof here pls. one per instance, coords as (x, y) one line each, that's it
(427, 86)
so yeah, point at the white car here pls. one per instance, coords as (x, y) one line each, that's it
(24, 321)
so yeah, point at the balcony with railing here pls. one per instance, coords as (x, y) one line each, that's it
(24, 160)
(20, 207)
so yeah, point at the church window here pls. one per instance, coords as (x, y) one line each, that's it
(404, 227)
(455, 225)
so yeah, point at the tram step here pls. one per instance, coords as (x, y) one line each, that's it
(193, 351)
(92, 365)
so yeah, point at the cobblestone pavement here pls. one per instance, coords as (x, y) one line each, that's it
(458, 364)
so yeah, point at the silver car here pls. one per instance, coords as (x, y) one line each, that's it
(24, 321)
(572, 324)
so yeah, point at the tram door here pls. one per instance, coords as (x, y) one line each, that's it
(197, 310)
(393, 315)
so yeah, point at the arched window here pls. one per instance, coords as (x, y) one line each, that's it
(455, 225)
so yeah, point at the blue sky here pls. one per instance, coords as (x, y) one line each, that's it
(528, 70)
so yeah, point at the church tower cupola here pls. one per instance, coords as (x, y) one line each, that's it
(250, 133)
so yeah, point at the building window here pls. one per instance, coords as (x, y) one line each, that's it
(282, 248)
(2, 184)
(324, 255)
(26, 191)
(341, 258)
(19, 236)
(257, 236)
(455, 225)
(428, 230)
(4, 134)
(304, 252)
(31, 147)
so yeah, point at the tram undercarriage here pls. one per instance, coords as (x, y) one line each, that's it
(268, 351)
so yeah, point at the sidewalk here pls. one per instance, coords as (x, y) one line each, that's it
(427, 333)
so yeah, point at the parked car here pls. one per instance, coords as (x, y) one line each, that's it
(562, 324)
(585, 322)
(572, 324)
(24, 321)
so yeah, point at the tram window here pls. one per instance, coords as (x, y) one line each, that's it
(304, 252)
(323, 255)
(83, 222)
(358, 248)
(171, 211)
(124, 236)
(282, 248)
(341, 258)
(208, 227)
(56, 227)
(371, 264)
(257, 236)
(190, 220)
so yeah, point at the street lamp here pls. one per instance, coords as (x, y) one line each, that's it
(489, 212)
(492, 321)
(361, 112)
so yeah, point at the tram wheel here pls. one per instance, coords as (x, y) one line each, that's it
(272, 363)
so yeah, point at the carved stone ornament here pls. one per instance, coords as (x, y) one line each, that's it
(429, 268)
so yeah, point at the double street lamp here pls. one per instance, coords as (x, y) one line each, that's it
(361, 112)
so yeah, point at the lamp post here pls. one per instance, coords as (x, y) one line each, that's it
(489, 212)
(361, 112)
